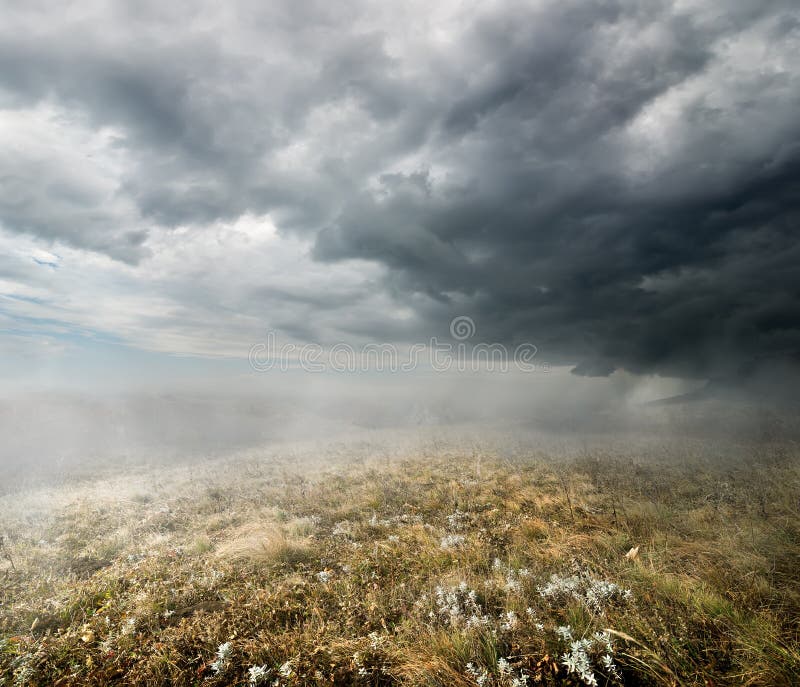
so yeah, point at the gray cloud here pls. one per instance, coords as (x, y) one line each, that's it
(615, 181)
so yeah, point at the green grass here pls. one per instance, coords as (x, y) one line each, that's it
(326, 571)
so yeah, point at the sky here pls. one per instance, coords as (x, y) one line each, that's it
(616, 182)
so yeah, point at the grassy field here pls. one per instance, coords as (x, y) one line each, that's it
(438, 566)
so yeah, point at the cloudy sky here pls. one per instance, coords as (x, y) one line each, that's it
(616, 181)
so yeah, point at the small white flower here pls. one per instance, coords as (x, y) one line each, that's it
(223, 655)
(594, 594)
(258, 674)
(510, 621)
(341, 529)
(459, 606)
(586, 651)
(457, 521)
(452, 541)
(564, 632)
(480, 675)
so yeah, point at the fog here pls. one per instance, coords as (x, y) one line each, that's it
(64, 435)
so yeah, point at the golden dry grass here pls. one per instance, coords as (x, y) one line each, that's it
(331, 570)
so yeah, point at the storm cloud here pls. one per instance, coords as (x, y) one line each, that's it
(617, 182)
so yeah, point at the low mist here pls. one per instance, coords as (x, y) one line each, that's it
(66, 435)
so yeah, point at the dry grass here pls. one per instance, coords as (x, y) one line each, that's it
(337, 570)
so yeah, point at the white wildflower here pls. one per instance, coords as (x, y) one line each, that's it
(594, 594)
(603, 639)
(458, 606)
(510, 621)
(564, 632)
(531, 613)
(506, 671)
(503, 666)
(514, 577)
(577, 662)
(223, 656)
(257, 674)
(341, 529)
(480, 675)
(585, 653)
(452, 541)
(476, 620)
(457, 521)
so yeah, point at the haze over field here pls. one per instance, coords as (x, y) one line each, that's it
(613, 184)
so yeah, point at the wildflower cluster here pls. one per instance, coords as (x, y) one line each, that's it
(458, 521)
(585, 654)
(534, 618)
(452, 541)
(480, 675)
(505, 674)
(224, 652)
(370, 661)
(257, 674)
(129, 626)
(508, 676)
(594, 594)
(342, 529)
(458, 606)
(514, 577)
(403, 519)
(509, 621)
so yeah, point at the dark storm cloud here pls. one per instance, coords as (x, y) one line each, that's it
(687, 269)
(617, 182)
